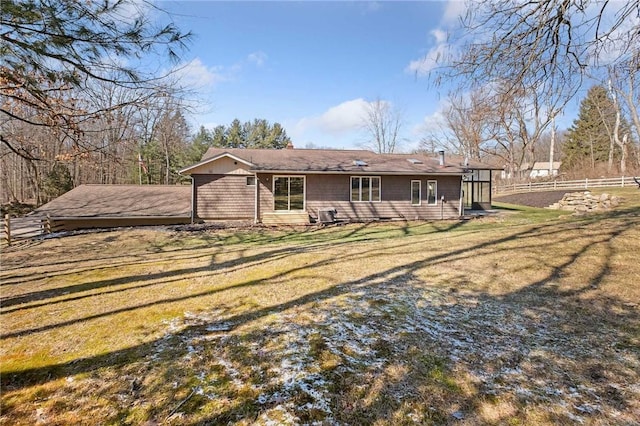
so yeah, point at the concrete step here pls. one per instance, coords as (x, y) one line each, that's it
(285, 218)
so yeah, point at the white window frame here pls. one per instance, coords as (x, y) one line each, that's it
(360, 177)
(419, 203)
(304, 192)
(435, 188)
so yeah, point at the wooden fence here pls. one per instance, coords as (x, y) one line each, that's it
(27, 227)
(574, 185)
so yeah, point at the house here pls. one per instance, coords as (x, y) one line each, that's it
(539, 169)
(107, 206)
(295, 185)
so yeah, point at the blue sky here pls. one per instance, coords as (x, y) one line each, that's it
(310, 66)
(313, 66)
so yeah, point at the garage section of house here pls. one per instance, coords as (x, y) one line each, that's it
(107, 206)
(293, 186)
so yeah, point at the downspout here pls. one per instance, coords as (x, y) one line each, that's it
(193, 199)
(461, 208)
(255, 201)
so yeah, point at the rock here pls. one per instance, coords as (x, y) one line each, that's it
(458, 415)
(584, 202)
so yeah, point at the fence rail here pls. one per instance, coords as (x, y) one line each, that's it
(22, 228)
(565, 184)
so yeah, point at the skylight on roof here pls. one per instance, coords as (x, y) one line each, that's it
(359, 163)
(414, 161)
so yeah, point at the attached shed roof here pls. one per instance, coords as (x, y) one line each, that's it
(335, 161)
(119, 201)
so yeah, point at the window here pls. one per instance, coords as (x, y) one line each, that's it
(432, 192)
(288, 193)
(365, 188)
(477, 189)
(416, 192)
(251, 180)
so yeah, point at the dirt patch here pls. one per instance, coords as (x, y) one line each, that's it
(532, 199)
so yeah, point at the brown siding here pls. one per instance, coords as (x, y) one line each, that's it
(223, 197)
(265, 194)
(333, 191)
(72, 224)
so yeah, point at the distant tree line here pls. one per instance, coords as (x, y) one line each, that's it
(258, 133)
(142, 143)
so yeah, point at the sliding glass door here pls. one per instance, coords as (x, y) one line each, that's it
(288, 193)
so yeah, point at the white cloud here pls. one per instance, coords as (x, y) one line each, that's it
(434, 56)
(432, 124)
(341, 118)
(453, 11)
(197, 75)
(257, 58)
(439, 35)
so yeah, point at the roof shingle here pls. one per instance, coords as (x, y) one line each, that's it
(119, 201)
(336, 161)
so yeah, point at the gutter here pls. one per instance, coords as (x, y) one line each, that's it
(114, 217)
(255, 200)
(356, 172)
(193, 200)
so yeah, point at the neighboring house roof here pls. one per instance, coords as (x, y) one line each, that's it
(541, 165)
(335, 161)
(119, 201)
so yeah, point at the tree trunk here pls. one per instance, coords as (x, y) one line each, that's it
(552, 145)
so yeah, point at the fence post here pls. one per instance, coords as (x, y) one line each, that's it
(47, 225)
(555, 184)
(586, 183)
(7, 228)
(623, 181)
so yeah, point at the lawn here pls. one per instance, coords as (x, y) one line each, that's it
(525, 317)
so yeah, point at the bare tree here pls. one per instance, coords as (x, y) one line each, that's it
(549, 45)
(382, 123)
(472, 120)
(624, 79)
(52, 47)
(622, 143)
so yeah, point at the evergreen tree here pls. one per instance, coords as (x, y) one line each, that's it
(199, 144)
(277, 137)
(258, 133)
(219, 136)
(589, 139)
(58, 181)
(235, 135)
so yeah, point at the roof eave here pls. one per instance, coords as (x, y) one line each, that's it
(359, 172)
(212, 159)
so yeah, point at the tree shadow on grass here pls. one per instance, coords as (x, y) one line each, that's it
(25, 302)
(550, 325)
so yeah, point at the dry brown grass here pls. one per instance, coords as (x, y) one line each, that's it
(521, 318)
